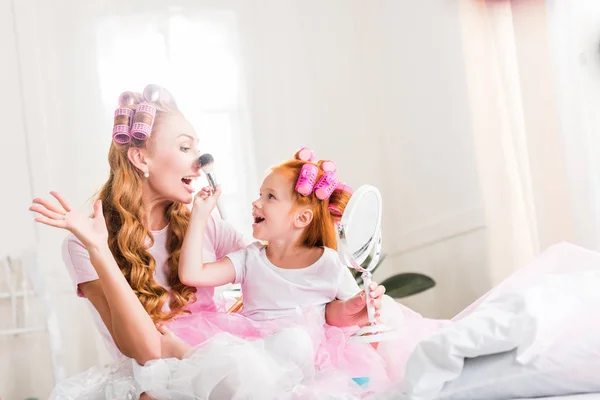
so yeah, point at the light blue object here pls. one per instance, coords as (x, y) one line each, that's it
(362, 380)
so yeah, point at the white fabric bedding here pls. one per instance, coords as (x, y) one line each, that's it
(538, 335)
(589, 396)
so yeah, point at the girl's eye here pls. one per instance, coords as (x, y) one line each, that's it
(271, 196)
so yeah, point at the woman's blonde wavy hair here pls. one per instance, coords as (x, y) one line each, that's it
(128, 237)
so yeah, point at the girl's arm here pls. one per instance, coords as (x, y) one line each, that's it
(192, 269)
(353, 311)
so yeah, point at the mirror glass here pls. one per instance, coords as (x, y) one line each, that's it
(362, 223)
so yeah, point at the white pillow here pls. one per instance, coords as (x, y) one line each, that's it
(564, 357)
(498, 325)
(536, 334)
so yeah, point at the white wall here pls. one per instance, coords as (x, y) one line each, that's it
(435, 220)
(378, 87)
(313, 80)
(374, 87)
(17, 232)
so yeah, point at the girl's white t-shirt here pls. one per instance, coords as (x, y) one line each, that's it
(271, 292)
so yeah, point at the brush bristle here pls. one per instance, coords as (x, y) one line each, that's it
(205, 159)
(206, 163)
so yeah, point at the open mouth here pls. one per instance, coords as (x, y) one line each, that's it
(258, 220)
(187, 182)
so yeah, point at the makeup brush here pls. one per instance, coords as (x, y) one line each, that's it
(207, 164)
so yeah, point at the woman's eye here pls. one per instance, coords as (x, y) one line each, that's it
(185, 149)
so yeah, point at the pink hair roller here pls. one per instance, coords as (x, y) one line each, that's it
(307, 178)
(143, 121)
(344, 188)
(122, 125)
(305, 154)
(328, 166)
(334, 210)
(326, 185)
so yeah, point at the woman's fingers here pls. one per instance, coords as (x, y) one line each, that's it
(48, 205)
(62, 201)
(51, 222)
(46, 213)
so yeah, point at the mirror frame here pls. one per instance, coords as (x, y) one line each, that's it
(373, 247)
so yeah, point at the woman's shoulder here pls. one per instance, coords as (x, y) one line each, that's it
(77, 260)
(223, 236)
(72, 246)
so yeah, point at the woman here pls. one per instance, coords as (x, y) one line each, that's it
(124, 258)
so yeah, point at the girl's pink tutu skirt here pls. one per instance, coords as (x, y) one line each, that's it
(234, 357)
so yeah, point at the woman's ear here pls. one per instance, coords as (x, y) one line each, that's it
(303, 218)
(137, 157)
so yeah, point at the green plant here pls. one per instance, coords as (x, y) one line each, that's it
(400, 285)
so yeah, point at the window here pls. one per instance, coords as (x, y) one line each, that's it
(195, 57)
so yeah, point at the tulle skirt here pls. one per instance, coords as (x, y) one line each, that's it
(234, 357)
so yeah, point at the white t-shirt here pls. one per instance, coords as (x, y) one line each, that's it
(271, 292)
(219, 239)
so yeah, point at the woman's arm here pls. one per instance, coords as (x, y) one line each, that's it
(146, 351)
(130, 326)
(192, 269)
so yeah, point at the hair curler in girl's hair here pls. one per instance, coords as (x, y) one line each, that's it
(334, 210)
(344, 188)
(307, 178)
(326, 185)
(327, 166)
(304, 154)
(328, 182)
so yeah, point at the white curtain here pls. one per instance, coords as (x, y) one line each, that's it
(73, 61)
(575, 50)
(530, 192)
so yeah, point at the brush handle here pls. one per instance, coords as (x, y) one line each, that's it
(223, 216)
(212, 181)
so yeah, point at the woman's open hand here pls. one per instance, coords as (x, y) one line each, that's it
(91, 231)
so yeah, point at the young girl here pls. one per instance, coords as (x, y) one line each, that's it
(295, 214)
(286, 282)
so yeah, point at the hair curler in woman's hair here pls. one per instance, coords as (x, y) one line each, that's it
(124, 118)
(122, 125)
(143, 121)
(157, 94)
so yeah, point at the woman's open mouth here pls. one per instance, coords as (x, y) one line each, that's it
(187, 182)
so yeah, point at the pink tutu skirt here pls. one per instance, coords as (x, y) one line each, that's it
(234, 357)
